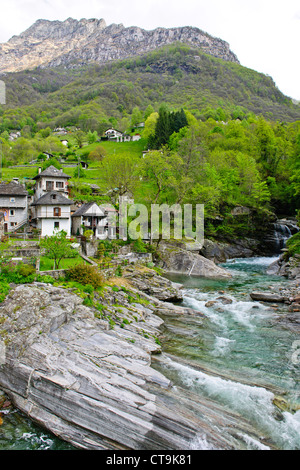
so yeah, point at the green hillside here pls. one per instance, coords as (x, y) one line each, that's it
(90, 97)
(219, 134)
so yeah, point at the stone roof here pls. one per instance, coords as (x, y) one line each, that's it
(12, 189)
(53, 198)
(52, 172)
(84, 208)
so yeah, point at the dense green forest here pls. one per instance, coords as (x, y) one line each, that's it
(215, 132)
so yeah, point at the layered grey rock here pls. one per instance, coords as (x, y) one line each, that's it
(176, 259)
(94, 386)
(56, 43)
(288, 268)
(150, 283)
(85, 382)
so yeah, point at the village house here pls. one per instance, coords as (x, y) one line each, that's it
(92, 217)
(51, 207)
(114, 135)
(51, 179)
(118, 136)
(14, 205)
(52, 213)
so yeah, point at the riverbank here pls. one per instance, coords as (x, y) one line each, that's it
(84, 373)
(115, 363)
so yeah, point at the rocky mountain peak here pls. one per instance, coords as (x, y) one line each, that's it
(46, 29)
(78, 42)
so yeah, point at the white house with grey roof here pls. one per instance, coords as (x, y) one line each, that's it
(51, 207)
(53, 213)
(51, 179)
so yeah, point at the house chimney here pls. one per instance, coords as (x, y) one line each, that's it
(40, 169)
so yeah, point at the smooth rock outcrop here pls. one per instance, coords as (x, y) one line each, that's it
(149, 282)
(180, 261)
(220, 252)
(91, 385)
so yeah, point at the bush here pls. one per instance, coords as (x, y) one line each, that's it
(17, 273)
(26, 270)
(293, 246)
(4, 290)
(139, 246)
(85, 274)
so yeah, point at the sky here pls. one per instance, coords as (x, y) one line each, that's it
(264, 34)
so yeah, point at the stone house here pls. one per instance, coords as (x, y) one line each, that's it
(51, 179)
(52, 213)
(14, 205)
(90, 216)
(51, 207)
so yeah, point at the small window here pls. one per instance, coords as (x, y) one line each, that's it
(56, 224)
(11, 212)
(57, 211)
(59, 184)
(12, 199)
(49, 185)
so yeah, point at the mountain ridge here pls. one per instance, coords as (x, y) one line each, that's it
(79, 42)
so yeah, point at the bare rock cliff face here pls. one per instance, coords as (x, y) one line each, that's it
(72, 42)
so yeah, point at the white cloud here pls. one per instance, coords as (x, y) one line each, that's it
(264, 34)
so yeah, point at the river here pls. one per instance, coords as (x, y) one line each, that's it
(239, 355)
(232, 360)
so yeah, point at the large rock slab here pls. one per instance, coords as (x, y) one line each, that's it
(181, 261)
(91, 385)
(149, 282)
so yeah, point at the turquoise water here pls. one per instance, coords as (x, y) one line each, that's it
(19, 433)
(239, 354)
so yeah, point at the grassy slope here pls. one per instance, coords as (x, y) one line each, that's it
(93, 172)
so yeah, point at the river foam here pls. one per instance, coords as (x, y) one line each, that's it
(255, 404)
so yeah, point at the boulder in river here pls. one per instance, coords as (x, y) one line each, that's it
(180, 261)
(267, 297)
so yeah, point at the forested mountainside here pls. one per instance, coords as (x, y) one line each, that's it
(227, 136)
(177, 75)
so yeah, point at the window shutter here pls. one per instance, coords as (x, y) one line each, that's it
(57, 211)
